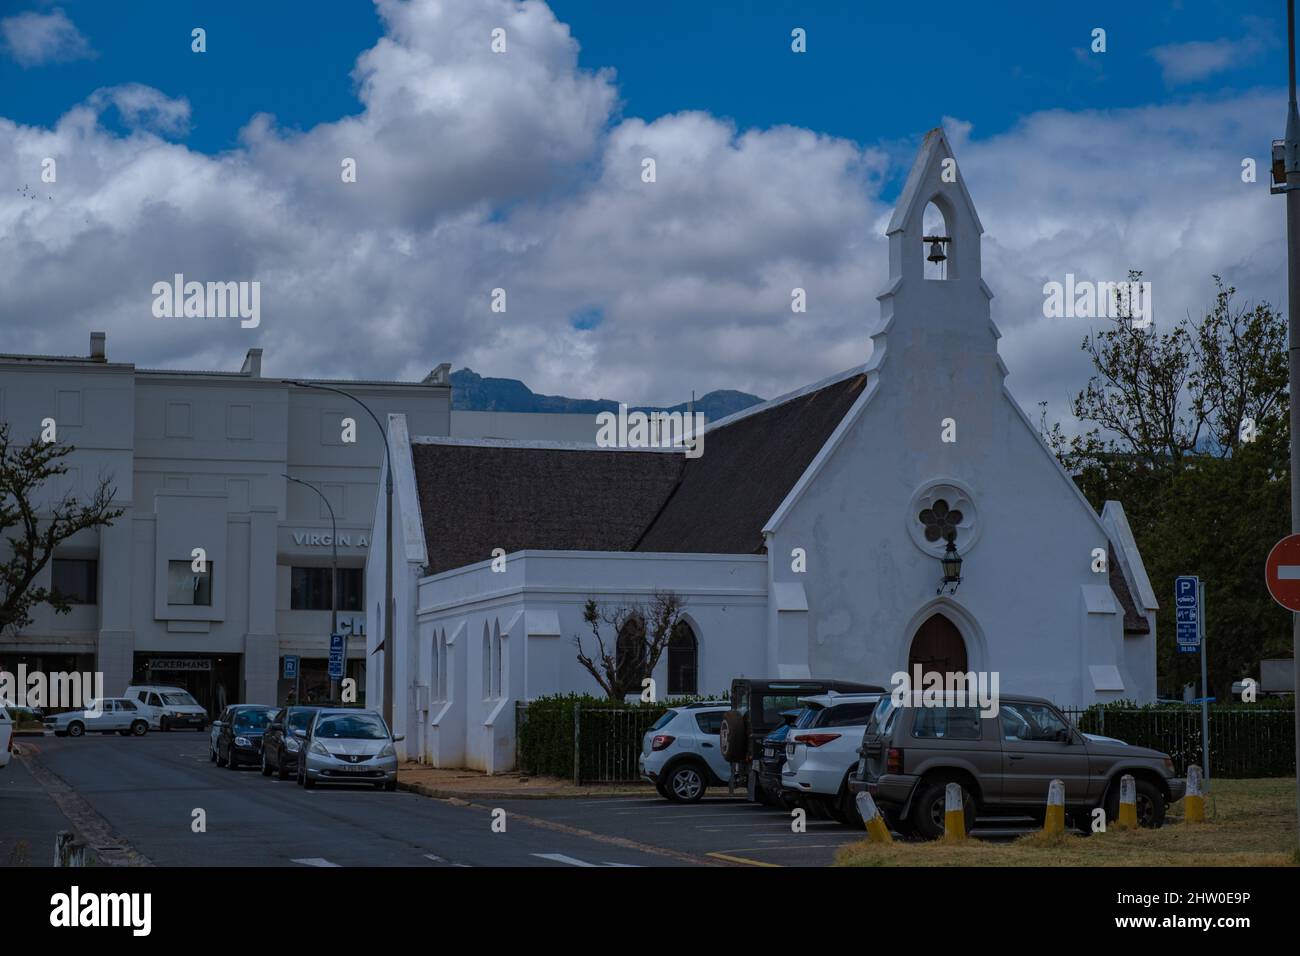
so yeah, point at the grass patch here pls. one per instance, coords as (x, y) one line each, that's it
(1248, 823)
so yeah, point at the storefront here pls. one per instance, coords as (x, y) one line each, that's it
(213, 680)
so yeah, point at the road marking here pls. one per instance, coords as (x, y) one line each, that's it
(315, 861)
(561, 858)
(744, 861)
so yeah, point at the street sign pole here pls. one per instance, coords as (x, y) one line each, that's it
(1205, 693)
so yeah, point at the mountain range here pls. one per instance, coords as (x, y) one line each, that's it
(471, 392)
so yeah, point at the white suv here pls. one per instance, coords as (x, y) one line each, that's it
(168, 707)
(680, 754)
(822, 747)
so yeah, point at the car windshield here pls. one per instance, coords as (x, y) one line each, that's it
(664, 721)
(180, 698)
(773, 705)
(301, 719)
(351, 726)
(252, 719)
(809, 717)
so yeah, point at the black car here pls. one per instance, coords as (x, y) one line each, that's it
(239, 741)
(756, 711)
(773, 758)
(279, 746)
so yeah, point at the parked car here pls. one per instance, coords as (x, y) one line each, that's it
(280, 748)
(773, 758)
(756, 706)
(103, 716)
(239, 741)
(348, 745)
(6, 738)
(26, 720)
(680, 753)
(1004, 764)
(168, 707)
(821, 750)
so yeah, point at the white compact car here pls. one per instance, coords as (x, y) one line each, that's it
(168, 707)
(822, 747)
(6, 738)
(112, 714)
(680, 754)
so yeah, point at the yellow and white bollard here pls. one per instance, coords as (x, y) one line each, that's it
(877, 831)
(1054, 820)
(1128, 809)
(1194, 801)
(954, 813)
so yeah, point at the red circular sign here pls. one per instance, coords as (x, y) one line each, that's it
(1282, 572)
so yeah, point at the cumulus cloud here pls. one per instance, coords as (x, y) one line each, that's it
(36, 38)
(478, 171)
(1199, 59)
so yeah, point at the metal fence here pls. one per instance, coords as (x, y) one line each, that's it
(588, 742)
(1243, 743)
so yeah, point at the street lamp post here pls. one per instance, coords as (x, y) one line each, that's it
(1291, 173)
(334, 577)
(388, 545)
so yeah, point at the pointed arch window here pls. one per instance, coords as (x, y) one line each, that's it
(683, 660)
(936, 241)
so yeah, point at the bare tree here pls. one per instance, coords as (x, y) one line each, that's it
(641, 633)
(23, 470)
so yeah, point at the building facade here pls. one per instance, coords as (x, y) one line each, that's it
(198, 461)
(806, 540)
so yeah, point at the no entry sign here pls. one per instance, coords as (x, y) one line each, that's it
(1282, 572)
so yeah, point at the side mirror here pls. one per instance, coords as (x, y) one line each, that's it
(300, 733)
(398, 737)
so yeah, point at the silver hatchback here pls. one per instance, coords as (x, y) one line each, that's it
(348, 745)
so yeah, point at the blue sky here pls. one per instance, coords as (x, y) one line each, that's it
(520, 172)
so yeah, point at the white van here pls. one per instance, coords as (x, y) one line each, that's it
(168, 707)
(6, 738)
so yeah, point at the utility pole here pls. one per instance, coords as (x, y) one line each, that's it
(1291, 170)
(334, 578)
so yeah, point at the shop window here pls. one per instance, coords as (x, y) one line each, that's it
(310, 589)
(187, 586)
(76, 580)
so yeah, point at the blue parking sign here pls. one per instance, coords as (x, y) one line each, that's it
(1187, 602)
(290, 667)
(336, 657)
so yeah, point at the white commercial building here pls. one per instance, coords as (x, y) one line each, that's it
(198, 460)
(806, 540)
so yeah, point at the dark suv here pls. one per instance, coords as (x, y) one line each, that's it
(1004, 764)
(756, 711)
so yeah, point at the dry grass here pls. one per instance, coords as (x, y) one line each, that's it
(1248, 823)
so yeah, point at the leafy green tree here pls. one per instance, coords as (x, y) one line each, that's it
(37, 531)
(1188, 428)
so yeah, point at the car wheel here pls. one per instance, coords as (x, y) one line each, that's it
(928, 809)
(390, 786)
(140, 728)
(221, 761)
(163, 725)
(266, 769)
(298, 779)
(849, 810)
(76, 728)
(232, 762)
(686, 783)
(1150, 805)
(308, 782)
(280, 772)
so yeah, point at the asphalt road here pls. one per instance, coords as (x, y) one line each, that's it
(141, 794)
(136, 799)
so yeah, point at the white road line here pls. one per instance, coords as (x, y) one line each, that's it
(315, 861)
(434, 857)
(561, 858)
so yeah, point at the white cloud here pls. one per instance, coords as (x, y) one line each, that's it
(36, 38)
(479, 170)
(1199, 59)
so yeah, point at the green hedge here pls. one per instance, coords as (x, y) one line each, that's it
(1246, 740)
(610, 734)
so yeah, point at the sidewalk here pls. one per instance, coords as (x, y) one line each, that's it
(473, 785)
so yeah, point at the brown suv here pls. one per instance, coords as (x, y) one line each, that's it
(1004, 764)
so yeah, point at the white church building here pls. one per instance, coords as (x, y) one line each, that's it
(806, 540)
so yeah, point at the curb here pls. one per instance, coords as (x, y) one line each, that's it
(440, 793)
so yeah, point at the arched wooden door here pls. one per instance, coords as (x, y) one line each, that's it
(937, 646)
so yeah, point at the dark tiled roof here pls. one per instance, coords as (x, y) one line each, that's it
(1134, 622)
(748, 467)
(474, 498)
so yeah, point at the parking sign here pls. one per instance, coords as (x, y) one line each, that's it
(290, 667)
(1187, 607)
(336, 657)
